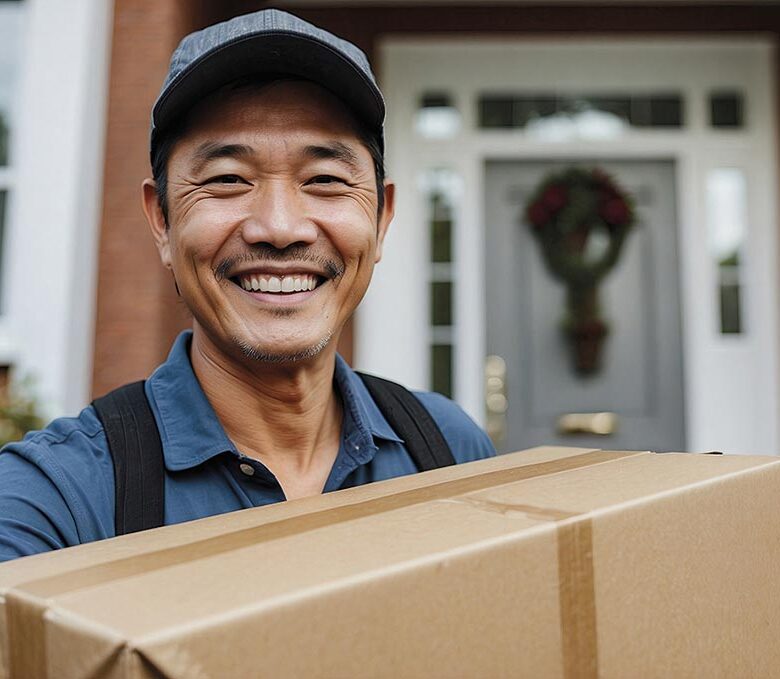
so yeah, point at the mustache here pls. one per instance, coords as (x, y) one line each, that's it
(263, 252)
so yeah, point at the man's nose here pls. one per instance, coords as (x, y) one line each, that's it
(277, 216)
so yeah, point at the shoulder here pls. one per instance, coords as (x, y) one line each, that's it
(56, 486)
(65, 441)
(466, 439)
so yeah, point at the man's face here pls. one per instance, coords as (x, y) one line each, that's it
(273, 228)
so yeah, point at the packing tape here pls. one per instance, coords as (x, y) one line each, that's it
(27, 603)
(576, 585)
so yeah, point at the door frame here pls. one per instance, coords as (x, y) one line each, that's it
(731, 382)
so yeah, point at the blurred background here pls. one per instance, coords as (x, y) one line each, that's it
(674, 347)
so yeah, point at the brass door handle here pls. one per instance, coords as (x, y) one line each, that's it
(599, 424)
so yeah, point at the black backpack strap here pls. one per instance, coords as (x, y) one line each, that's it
(139, 467)
(412, 422)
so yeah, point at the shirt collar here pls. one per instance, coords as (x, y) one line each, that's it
(365, 414)
(189, 428)
(191, 432)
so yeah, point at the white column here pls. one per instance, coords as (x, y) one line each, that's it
(52, 236)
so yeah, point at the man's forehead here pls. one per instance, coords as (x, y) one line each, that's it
(286, 103)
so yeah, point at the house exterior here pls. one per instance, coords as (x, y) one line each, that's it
(676, 101)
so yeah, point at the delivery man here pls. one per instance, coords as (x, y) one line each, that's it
(269, 206)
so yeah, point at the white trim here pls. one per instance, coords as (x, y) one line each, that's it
(731, 382)
(52, 236)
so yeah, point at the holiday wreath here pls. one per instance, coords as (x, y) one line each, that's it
(580, 217)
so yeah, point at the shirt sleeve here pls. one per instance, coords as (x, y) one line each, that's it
(56, 489)
(467, 441)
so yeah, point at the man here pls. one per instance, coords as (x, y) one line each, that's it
(269, 207)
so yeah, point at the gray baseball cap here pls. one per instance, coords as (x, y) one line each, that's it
(267, 43)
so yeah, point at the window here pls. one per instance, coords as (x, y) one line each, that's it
(11, 33)
(594, 115)
(727, 227)
(440, 187)
(436, 117)
(727, 110)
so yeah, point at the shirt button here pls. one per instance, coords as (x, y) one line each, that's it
(247, 469)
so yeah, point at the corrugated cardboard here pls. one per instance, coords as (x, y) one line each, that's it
(546, 563)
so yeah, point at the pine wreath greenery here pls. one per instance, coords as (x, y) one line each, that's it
(564, 211)
(568, 208)
(18, 415)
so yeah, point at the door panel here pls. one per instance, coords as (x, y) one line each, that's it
(641, 377)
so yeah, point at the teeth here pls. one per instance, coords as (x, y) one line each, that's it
(299, 283)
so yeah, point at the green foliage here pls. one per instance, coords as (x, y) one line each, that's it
(18, 415)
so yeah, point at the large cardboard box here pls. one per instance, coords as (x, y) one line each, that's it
(545, 563)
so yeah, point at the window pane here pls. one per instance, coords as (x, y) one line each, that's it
(441, 303)
(726, 109)
(437, 117)
(11, 25)
(441, 369)
(441, 229)
(3, 208)
(726, 227)
(496, 112)
(730, 319)
(666, 112)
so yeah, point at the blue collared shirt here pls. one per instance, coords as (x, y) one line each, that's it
(57, 485)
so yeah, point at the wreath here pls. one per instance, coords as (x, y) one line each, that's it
(580, 218)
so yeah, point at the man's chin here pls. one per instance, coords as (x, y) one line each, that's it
(262, 354)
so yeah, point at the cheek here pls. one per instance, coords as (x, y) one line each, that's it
(350, 230)
(201, 236)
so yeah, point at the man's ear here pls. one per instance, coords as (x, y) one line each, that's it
(157, 223)
(385, 217)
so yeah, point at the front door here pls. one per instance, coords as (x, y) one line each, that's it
(640, 380)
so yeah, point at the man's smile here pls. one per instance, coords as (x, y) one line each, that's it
(284, 284)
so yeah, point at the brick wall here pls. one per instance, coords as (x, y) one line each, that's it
(137, 309)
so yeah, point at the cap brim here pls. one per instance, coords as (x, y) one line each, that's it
(278, 53)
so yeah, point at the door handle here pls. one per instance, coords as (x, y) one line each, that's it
(496, 403)
(599, 424)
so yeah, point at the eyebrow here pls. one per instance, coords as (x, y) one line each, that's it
(209, 151)
(333, 151)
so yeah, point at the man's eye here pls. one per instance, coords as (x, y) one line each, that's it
(225, 179)
(325, 179)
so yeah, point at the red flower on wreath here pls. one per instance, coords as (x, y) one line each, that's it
(553, 206)
(538, 214)
(615, 212)
(555, 197)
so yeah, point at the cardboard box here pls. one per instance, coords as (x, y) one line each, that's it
(546, 563)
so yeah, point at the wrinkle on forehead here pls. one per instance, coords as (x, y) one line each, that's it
(209, 151)
(276, 104)
(275, 117)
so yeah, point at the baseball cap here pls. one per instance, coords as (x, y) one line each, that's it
(267, 43)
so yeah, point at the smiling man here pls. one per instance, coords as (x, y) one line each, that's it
(269, 206)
